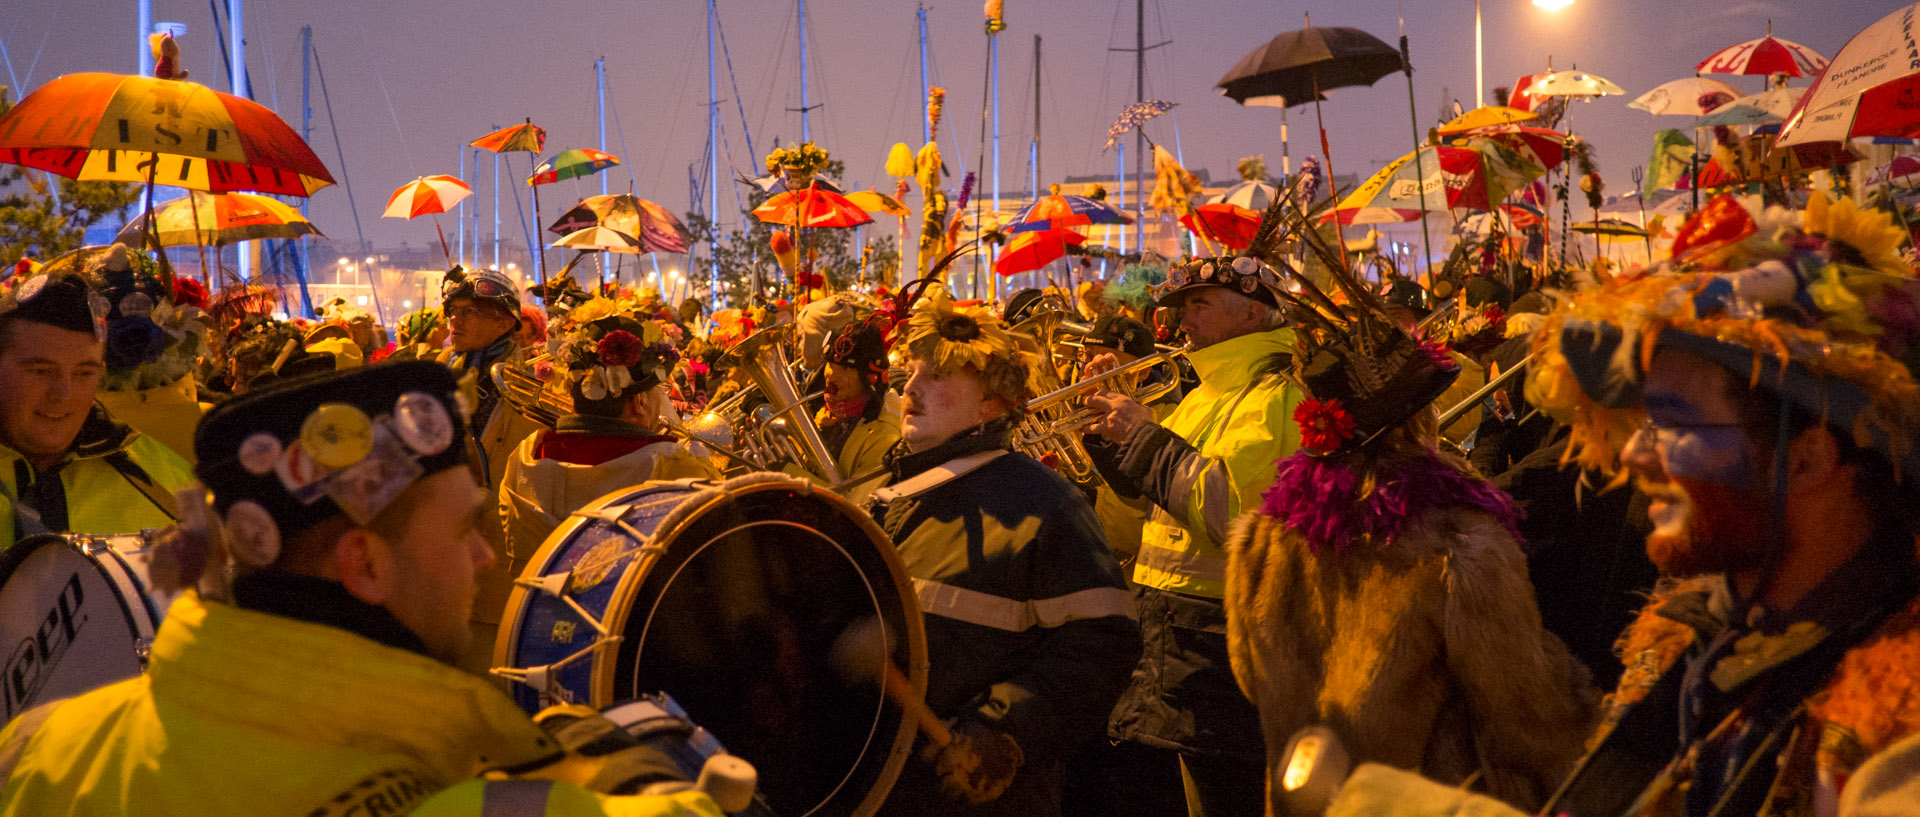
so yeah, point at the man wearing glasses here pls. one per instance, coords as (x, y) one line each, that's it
(482, 308)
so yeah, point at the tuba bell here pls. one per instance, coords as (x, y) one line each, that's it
(785, 427)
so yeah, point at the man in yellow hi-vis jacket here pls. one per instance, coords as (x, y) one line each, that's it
(1206, 463)
(326, 685)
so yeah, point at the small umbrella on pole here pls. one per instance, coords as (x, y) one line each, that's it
(567, 164)
(428, 195)
(525, 137)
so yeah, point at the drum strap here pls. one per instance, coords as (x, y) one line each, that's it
(139, 479)
(936, 476)
(26, 518)
(23, 729)
(515, 798)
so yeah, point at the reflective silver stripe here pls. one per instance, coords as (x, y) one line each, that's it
(936, 476)
(1000, 613)
(515, 798)
(23, 728)
(1198, 566)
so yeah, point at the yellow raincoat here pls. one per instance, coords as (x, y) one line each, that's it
(166, 413)
(101, 498)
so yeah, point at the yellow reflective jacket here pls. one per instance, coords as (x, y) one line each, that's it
(1210, 460)
(97, 478)
(167, 413)
(253, 715)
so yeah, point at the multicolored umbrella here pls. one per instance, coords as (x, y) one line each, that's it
(1757, 109)
(571, 164)
(1545, 146)
(113, 127)
(1475, 176)
(1485, 117)
(1767, 55)
(1059, 210)
(602, 239)
(1134, 116)
(1229, 225)
(219, 219)
(1682, 97)
(1253, 195)
(812, 207)
(654, 228)
(523, 138)
(1031, 251)
(874, 201)
(428, 195)
(1900, 168)
(1867, 90)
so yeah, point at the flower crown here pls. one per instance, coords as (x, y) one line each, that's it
(156, 327)
(605, 354)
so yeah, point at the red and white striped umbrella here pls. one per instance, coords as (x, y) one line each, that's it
(1868, 90)
(1767, 55)
(426, 195)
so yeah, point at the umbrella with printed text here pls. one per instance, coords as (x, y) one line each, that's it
(428, 195)
(1869, 89)
(1767, 55)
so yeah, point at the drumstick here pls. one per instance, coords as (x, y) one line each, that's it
(860, 649)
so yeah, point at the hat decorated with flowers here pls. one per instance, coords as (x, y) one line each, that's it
(1817, 306)
(951, 337)
(156, 329)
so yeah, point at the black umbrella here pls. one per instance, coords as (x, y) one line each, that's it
(1299, 66)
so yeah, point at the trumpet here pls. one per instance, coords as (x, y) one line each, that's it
(1053, 422)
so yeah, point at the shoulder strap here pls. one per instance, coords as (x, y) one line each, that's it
(139, 479)
(515, 798)
(936, 476)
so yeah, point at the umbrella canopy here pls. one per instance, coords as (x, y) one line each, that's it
(1758, 109)
(602, 239)
(1900, 168)
(776, 184)
(1545, 146)
(1227, 224)
(219, 219)
(1866, 91)
(425, 196)
(812, 207)
(572, 164)
(1289, 69)
(1573, 83)
(112, 127)
(876, 202)
(1134, 116)
(1682, 97)
(1253, 195)
(654, 228)
(524, 138)
(1031, 251)
(1767, 55)
(1060, 210)
(1522, 216)
(1610, 230)
(1488, 116)
(1474, 176)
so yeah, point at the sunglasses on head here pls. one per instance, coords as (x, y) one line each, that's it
(463, 287)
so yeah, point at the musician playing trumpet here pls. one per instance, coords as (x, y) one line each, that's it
(1116, 341)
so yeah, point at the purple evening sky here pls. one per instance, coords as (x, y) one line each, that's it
(414, 80)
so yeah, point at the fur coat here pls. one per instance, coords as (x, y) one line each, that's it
(1426, 653)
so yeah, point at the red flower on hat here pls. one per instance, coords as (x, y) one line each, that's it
(620, 348)
(1324, 425)
(189, 292)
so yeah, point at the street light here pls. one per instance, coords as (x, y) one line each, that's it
(1479, 49)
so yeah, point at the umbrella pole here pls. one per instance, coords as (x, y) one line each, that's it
(1326, 152)
(193, 202)
(1413, 112)
(152, 238)
(443, 241)
(539, 254)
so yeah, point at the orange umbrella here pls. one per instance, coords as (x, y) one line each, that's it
(1227, 224)
(526, 137)
(1031, 251)
(812, 207)
(219, 219)
(113, 127)
(428, 195)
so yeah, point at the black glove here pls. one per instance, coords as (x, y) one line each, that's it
(626, 764)
(980, 763)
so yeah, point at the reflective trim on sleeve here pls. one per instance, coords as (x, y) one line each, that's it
(515, 798)
(1000, 613)
(1194, 574)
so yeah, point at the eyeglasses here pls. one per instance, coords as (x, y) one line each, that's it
(467, 313)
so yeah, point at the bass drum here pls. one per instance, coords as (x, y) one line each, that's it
(76, 613)
(730, 597)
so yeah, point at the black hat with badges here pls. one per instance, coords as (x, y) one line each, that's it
(61, 300)
(283, 459)
(1241, 274)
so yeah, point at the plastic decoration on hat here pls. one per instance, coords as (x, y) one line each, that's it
(1350, 357)
(1818, 306)
(152, 339)
(609, 357)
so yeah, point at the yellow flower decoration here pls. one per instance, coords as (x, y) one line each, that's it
(1845, 312)
(1871, 232)
(593, 310)
(952, 338)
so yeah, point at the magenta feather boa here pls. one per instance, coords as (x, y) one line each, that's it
(1314, 496)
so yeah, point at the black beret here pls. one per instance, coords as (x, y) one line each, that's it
(341, 442)
(61, 300)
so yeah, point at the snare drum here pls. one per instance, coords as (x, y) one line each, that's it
(76, 612)
(728, 597)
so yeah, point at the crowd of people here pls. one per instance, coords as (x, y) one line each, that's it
(1639, 542)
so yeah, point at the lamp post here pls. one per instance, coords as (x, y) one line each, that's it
(1479, 48)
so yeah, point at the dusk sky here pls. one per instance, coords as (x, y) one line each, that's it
(413, 80)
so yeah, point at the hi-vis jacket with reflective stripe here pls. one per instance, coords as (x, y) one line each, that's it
(1210, 460)
(97, 482)
(1029, 622)
(252, 715)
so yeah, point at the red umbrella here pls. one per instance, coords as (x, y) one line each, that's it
(1031, 251)
(812, 207)
(428, 195)
(1227, 224)
(526, 137)
(1767, 55)
(1544, 145)
(1869, 90)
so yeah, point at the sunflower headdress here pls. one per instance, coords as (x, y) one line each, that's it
(1816, 306)
(951, 338)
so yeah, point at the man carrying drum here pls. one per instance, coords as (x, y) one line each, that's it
(65, 464)
(325, 684)
(1030, 629)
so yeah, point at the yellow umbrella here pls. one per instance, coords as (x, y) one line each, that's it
(876, 202)
(219, 219)
(1487, 117)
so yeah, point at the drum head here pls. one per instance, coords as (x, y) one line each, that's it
(65, 626)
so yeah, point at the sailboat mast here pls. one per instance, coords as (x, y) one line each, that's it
(236, 34)
(806, 131)
(926, 128)
(306, 135)
(143, 59)
(713, 153)
(1140, 137)
(1035, 157)
(600, 82)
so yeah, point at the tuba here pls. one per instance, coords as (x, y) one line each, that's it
(781, 430)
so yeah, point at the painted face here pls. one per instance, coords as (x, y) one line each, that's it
(437, 561)
(48, 379)
(844, 382)
(1704, 480)
(1212, 314)
(935, 407)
